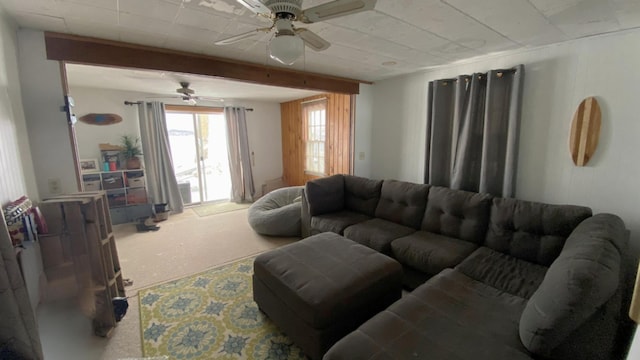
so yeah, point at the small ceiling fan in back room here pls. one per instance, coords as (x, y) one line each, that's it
(288, 43)
(188, 95)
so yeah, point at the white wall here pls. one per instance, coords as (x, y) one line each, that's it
(17, 176)
(557, 78)
(42, 97)
(265, 140)
(399, 118)
(363, 128)
(91, 100)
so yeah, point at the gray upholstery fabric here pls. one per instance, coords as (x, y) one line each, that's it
(277, 213)
(429, 252)
(532, 231)
(377, 234)
(402, 202)
(325, 195)
(583, 278)
(336, 222)
(459, 214)
(361, 194)
(305, 216)
(449, 317)
(326, 285)
(503, 272)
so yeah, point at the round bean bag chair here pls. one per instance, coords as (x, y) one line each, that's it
(278, 212)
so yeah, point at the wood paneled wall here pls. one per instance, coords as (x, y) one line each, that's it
(338, 146)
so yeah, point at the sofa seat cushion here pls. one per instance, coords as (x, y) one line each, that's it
(503, 272)
(451, 316)
(336, 222)
(429, 252)
(377, 234)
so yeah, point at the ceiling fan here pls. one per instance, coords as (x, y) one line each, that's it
(188, 95)
(288, 44)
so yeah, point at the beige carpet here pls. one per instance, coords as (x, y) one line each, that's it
(185, 244)
(218, 208)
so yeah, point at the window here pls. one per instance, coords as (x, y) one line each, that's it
(315, 120)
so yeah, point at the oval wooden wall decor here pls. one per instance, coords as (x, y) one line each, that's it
(101, 119)
(585, 131)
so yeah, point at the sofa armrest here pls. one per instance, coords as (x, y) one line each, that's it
(576, 287)
(305, 217)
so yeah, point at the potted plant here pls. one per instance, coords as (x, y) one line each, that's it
(131, 150)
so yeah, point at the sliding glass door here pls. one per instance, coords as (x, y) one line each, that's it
(199, 151)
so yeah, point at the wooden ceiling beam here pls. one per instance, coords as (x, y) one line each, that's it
(92, 51)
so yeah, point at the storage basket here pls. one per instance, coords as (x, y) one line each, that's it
(136, 182)
(112, 182)
(91, 185)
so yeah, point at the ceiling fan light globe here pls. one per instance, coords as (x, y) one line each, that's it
(286, 48)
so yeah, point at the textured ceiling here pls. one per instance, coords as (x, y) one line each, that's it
(399, 36)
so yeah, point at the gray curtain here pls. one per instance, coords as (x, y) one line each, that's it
(161, 179)
(19, 338)
(472, 131)
(242, 187)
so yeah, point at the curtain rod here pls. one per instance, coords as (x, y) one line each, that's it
(314, 100)
(499, 73)
(127, 102)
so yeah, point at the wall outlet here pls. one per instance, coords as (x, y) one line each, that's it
(54, 186)
(361, 155)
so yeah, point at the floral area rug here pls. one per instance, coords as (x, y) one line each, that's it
(210, 315)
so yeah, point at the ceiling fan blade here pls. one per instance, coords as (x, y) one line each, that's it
(312, 39)
(206, 98)
(335, 9)
(243, 36)
(256, 6)
(163, 97)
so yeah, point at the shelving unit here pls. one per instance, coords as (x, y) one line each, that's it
(81, 222)
(126, 193)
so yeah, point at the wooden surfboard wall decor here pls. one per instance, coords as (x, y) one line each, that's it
(585, 131)
(101, 119)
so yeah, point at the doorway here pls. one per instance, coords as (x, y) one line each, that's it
(199, 151)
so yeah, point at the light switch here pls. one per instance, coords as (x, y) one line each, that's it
(54, 186)
(361, 155)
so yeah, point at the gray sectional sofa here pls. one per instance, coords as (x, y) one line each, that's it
(492, 278)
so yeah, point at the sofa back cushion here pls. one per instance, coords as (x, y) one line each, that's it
(325, 195)
(459, 214)
(402, 202)
(361, 194)
(577, 285)
(532, 231)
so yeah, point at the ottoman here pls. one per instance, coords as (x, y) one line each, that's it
(323, 287)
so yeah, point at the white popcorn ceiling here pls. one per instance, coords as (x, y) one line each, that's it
(411, 34)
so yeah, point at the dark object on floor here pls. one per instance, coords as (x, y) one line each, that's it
(147, 225)
(120, 306)
(145, 228)
(319, 289)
